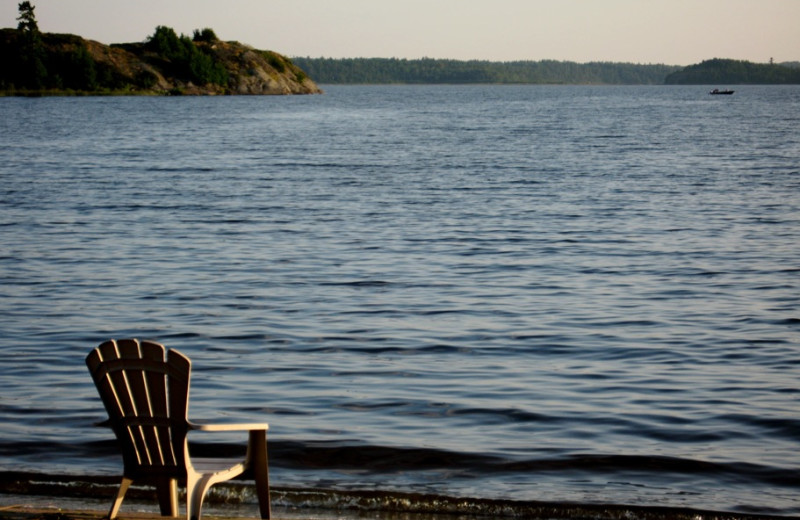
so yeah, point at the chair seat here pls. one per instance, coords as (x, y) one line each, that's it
(212, 465)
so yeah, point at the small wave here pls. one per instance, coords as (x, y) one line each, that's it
(335, 455)
(179, 169)
(358, 283)
(352, 454)
(374, 350)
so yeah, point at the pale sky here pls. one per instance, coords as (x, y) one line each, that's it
(675, 32)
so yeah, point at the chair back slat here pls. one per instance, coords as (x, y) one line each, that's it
(113, 387)
(145, 391)
(178, 384)
(156, 383)
(147, 441)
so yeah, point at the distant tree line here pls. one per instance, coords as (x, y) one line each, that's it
(428, 70)
(734, 72)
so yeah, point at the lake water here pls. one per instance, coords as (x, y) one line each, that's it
(529, 293)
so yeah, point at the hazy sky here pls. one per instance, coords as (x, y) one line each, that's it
(676, 32)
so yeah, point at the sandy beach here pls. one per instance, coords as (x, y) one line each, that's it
(25, 511)
(33, 496)
(25, 496)
(35, 510)
(22, 512)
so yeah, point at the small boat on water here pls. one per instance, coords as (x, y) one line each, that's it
(718, 92)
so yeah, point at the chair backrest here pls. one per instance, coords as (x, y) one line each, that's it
(146, 393)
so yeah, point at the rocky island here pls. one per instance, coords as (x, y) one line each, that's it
(35, 63)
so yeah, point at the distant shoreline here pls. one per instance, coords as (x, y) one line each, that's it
(382, 71)
(378, 71)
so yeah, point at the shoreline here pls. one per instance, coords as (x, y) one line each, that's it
(20, 510)
(38, 499)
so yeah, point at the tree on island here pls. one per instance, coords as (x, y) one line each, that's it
(206, 35)
(32, 55)
(27, 18)
(185, 58)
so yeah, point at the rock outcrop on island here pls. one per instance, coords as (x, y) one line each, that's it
(163, 64)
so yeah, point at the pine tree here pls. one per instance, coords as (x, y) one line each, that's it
(33, 70)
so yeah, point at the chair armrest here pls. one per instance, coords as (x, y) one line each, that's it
(223, 427)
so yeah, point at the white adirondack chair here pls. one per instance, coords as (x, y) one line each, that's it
(146, 395)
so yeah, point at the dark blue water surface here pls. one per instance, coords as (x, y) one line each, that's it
(568, 294)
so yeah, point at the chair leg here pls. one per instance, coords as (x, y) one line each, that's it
(258, 458)
(123, 487)
(196, 489)
(167, 491)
